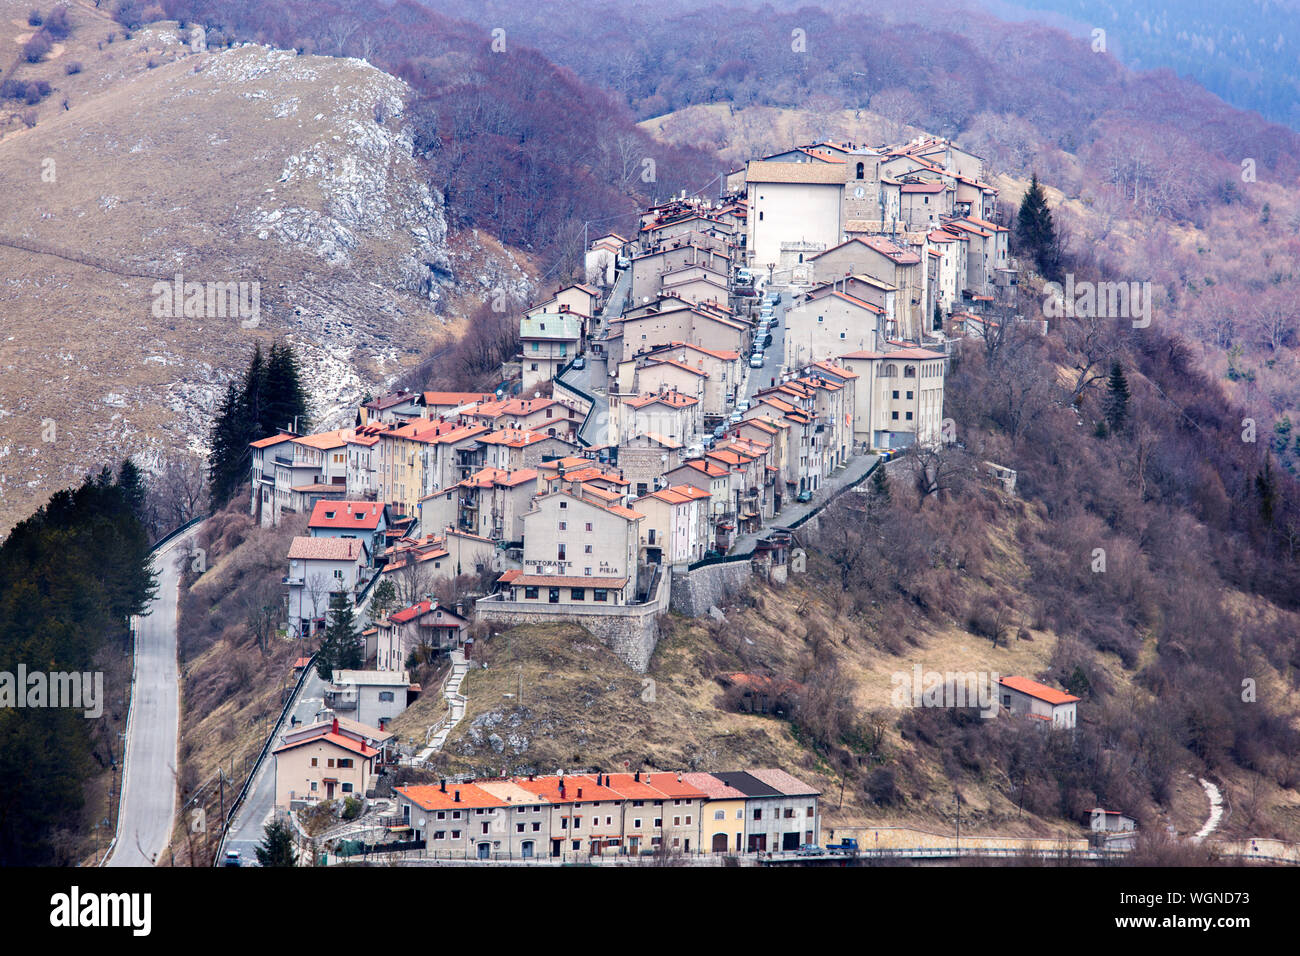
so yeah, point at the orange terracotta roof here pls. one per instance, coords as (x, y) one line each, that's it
(1040, 691)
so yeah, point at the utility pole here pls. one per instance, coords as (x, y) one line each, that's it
(956, 799)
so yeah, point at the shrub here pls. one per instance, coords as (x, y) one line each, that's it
(57, 24)
(34, 19)
(73, 68)
(351, 808)
(153, 62)
(30, 118)
(36, 48)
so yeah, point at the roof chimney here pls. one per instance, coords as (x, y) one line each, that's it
(579, 793)
(637, 776)
(442, 784)
(457, 799)
(334, 729)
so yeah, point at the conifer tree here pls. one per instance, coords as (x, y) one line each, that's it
(277, 847)
(228, 444)
(284, 401)
(1036, 230)
(341, 648)
(1116, 406)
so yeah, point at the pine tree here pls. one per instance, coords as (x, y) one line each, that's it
(1266, 488)
(277, 849)
(131, 480)
(1116, 406)
(880, 484)
(284, 401)
(253, 395)
(1036, 230)
(228, 444)
(341, 647)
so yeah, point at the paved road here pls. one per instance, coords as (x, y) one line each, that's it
(832, 486)
(594, 378)
(773, 355)
(246, 832)
(144, 823)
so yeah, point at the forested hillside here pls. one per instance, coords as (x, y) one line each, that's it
(70, 577)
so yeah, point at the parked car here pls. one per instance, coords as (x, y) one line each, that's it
(720, 431)
(743, 405)
(580, 362)
(809, 849)
(233, 858)
(846, 846)
(756, 360)
(803, 497)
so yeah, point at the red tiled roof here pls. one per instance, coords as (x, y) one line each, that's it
(362, 515)
(1040, 691)
(326, 549)
(431, 797)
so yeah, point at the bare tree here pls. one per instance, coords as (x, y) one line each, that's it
(412, 581)
(1092, 340)
(318, 588)
(938, 469)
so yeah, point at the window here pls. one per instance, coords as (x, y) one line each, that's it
(599, 595)
(588, 525)
(347, 788)
(577, 823)
(636, 824)
(564, 504)
(455, 834)
(537, 827)
(909, 416)
(789, 813)
(385, 696)
(442, 814)
(345, 763)
(338, 573)
(587, 571)
(638, 803)
(519, 828)
(659, 821)
(758, 814)
(586, 548)
(530, 593)
(909, 396)
(895, 393)
(455, 814)
(440, 834)
(564, 526)
(895, 416)
(313, 786)
(330, 762)
(577, 594)
(719, 814)
(313, 761)
(688, 821)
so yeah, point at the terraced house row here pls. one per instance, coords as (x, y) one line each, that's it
(613, 814)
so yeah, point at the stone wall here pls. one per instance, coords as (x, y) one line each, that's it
(694, 592)
(630, 630)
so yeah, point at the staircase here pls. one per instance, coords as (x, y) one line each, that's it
(456, 701)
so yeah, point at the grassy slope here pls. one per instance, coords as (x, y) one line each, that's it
(182, 168)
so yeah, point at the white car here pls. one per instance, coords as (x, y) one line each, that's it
(756, 360)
